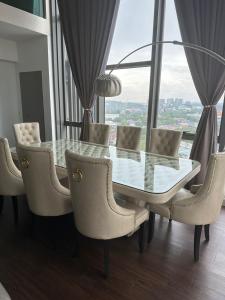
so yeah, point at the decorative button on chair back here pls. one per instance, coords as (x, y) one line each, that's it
(165, 142)
(128, 137)
(99, 133)
(96, 213)
(27, 133)
(11, 182)
(46, 196)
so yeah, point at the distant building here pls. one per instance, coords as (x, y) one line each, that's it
(170, 101)
(178, 101)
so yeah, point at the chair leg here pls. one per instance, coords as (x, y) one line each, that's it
(1, 203)
(15, 209)
(141, 237)
(32, 225)
(206, 227)
(106, 245)
(198, 230)
(151, 225)
(76, 250)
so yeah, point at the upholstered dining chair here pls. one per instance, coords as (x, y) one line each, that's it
(128, 137)
(27, 133)
(46, 196)
(165, 141)
(200, 206)
(11, 182)
(96, 213)
(99, 133)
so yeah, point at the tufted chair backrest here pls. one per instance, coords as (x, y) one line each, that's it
(11, 182)
(99, 133)
(27, 133)
(165, 142)
(43, 189)
(96, 213)
(128, 137)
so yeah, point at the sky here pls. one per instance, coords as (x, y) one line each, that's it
(133, 29)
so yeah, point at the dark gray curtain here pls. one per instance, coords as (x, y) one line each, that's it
(202, 22)
(88, 27)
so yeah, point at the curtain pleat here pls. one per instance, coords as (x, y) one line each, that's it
(202, 22)
(88, 27)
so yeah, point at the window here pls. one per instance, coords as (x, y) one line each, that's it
(179, 105)
(36, 7)
(131, 107)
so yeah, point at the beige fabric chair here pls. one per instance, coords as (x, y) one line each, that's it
(46, 196)
(128, 137)
(11, 182)
(203, 207)
(96, 213)
(27, 133)
(165, 142)
(99, 133)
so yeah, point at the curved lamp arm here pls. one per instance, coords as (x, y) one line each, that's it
(108, 85)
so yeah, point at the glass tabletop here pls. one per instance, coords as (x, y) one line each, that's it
(141, 170)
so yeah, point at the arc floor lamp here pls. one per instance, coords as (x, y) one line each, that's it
(108, 85)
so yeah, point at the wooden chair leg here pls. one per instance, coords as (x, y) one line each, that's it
(206, 228)
(141, 237)
(15, 209)
(76, 251)
(198, 230)
(1, 203)
(32, 225)
(106, 245)
(151, 226)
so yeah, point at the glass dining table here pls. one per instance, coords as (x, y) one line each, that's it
(147, 176)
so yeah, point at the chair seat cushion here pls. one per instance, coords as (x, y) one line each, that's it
(161, 209)
(164, 210)
(141, 213)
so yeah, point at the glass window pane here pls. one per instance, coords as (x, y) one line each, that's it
(133, 29)
(179, 105)
(129, 108)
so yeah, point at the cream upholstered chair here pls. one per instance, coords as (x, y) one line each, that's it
(165, 142)
(96, 213)
(128, 137)
(27, 133)
(46, 196)
(99, 133)
(11, 182)
(202, 205)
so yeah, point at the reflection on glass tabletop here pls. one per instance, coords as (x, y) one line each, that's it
(141, 170)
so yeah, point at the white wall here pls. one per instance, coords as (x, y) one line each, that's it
(25, 45)
(33, 56)
(10, 108)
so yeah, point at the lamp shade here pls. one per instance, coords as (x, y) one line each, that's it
(107, 85)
